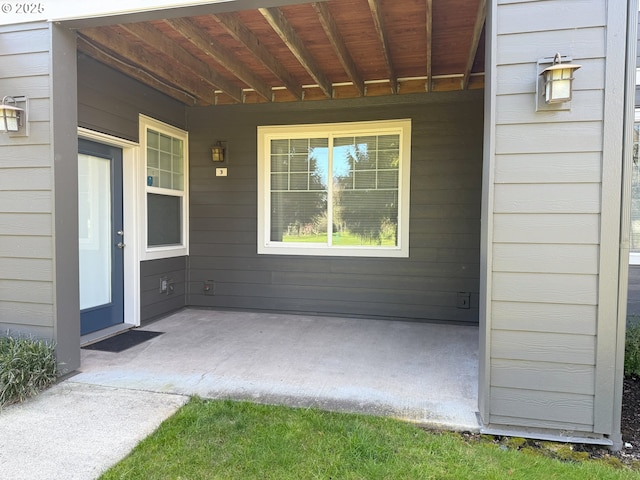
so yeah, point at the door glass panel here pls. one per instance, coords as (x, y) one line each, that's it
(94, 222)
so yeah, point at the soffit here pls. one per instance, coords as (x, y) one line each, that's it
(310, 51)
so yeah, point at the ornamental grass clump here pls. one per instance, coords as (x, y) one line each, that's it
(27, 366)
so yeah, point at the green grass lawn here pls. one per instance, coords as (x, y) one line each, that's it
(342, 239)
(240, 440)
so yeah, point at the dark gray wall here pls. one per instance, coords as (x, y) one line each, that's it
(110, 102)
(445, 215)
(154, 303)
(445, 206)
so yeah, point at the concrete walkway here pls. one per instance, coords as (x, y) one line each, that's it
(76, 431)
(422, 373)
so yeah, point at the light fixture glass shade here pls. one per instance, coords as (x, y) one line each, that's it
(217, 152)
(10, 116)
(558, 79)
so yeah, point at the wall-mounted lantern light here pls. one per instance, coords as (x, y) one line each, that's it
(13, 115)
(218, 152)
(555, 84)
(558, 79)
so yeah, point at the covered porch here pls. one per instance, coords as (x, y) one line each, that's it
(422, 373)
(219, 75)
(502, 215)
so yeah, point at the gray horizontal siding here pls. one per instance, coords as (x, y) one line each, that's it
(549, 376)
(109, 102)
(153, 303)
(446, 171)
(542, 406)
(26, 187)
(545, 208)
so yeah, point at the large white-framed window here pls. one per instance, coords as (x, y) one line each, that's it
(338, 189)
(165, 179)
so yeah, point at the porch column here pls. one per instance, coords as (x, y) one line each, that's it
(551, 222)
(64, 149)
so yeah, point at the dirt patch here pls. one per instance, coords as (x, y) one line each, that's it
(630, 426)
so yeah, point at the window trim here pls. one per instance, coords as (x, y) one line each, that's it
(267, 133)
(165, 251)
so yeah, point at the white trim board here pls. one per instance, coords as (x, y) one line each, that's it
(130, 160)
(156, 252)
(329, 131)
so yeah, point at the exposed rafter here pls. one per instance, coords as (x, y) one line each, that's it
(153, 64)
(429, 20)
(157, 40)
(86, 46)
(242, 34)
(475, 41)
(367, 48)
(285, 31)
(199, 38)
(378, 21)
(331, 29)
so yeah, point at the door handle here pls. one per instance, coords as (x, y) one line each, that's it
(120, 245)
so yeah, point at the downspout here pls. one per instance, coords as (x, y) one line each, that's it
(625, 220)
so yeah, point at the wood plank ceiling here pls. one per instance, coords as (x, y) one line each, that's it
(311, 51)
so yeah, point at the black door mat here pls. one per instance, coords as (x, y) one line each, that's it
(122, 341)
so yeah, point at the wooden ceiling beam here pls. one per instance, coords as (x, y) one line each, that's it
(85, 46)
(331, 30)
(199, 38)
(285, 31)
(378, 21)
(232, 24)
(156, 39)
(475, 41)
(155, 65)
(429, 20)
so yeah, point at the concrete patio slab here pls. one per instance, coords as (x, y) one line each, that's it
(423, 373)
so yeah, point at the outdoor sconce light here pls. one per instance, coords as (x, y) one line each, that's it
(12, 117)
(557, 80)
(218, 152)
